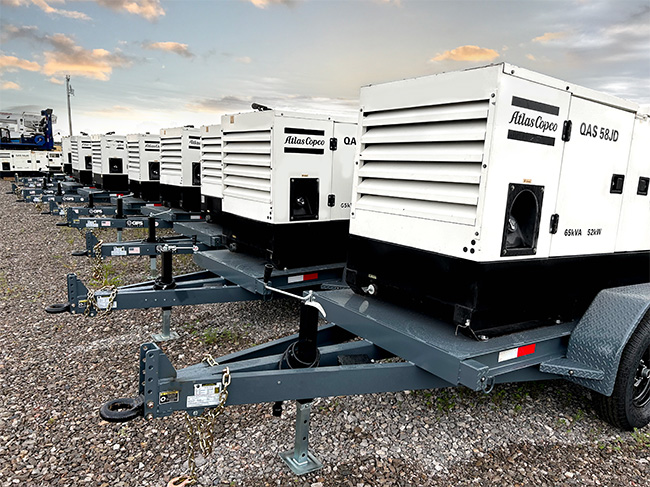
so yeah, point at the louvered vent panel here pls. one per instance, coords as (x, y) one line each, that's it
(74, 150)
(96, 146)
(134, 159)
(211, 165)
(247, 165)
(171, 157)
(423, 162)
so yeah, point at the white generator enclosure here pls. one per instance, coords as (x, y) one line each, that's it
(287, 185)
(109, 162)
(5, 162)
(211, 171)
(144, 166)
(19, 162)
(66, 149)
(54, 161)
(82, 159)
(500, 197)
(180, 168)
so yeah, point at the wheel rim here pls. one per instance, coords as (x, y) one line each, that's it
(642, 381)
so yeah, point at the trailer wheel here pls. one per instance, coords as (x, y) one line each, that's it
(629, 405)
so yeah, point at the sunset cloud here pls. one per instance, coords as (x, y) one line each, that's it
(550, 36)
(55, 81)
(9, 85)
(467, 53)
(69, 58)
(175, 47)
(12, 63)
(149, 9)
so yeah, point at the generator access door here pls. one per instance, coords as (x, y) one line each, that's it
(592, 179)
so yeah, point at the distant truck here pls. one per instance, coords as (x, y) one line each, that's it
(27, 131)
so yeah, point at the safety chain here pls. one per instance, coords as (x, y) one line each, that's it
(98, 269)
(91, 301)
(200, 429)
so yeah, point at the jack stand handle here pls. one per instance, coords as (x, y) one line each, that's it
(268, 269)
(80, 253)
(123, 409)
(166, 279)
(57, 308)
(152, 230)
(119, 212)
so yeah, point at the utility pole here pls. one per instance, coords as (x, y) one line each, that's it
(69, 91)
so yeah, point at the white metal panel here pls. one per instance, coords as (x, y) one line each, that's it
(598, 149)
(211, 161)
(54, 160)
(634, 227)
(180, 148)
(343, 169)
(292, 160)
(264, 151)
(133, 147)
(525, 147)
(21, 160)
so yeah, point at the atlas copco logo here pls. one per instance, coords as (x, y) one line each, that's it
(151, 145)
(306, 141)
(521, 118)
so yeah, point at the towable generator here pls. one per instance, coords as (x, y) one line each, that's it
(498, 198)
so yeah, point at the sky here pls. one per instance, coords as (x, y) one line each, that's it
(141, 65)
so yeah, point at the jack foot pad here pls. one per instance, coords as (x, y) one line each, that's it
(306, 464)
(161, 337)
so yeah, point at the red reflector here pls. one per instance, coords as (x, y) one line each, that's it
(526, 350)
(310, 277)
(157, 204)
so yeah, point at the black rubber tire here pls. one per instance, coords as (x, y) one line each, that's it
(619, 409)
(58, 308)
(122, 410)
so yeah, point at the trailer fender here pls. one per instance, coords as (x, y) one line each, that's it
(597, 342)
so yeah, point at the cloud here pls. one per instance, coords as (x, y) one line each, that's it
(266, 3)
(116, 111)
(63, 56)
(550, 36)
(149, 9)
(467, 53)
(530, 57)
(55, 81)
(175, 47)
(220, 105)
(68, 58)
(397, 3)
(12, 63)
(244, 60)
(9, 85)
(10, 31)
(47, 8)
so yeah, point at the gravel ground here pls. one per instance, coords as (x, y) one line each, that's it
(56, 370)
